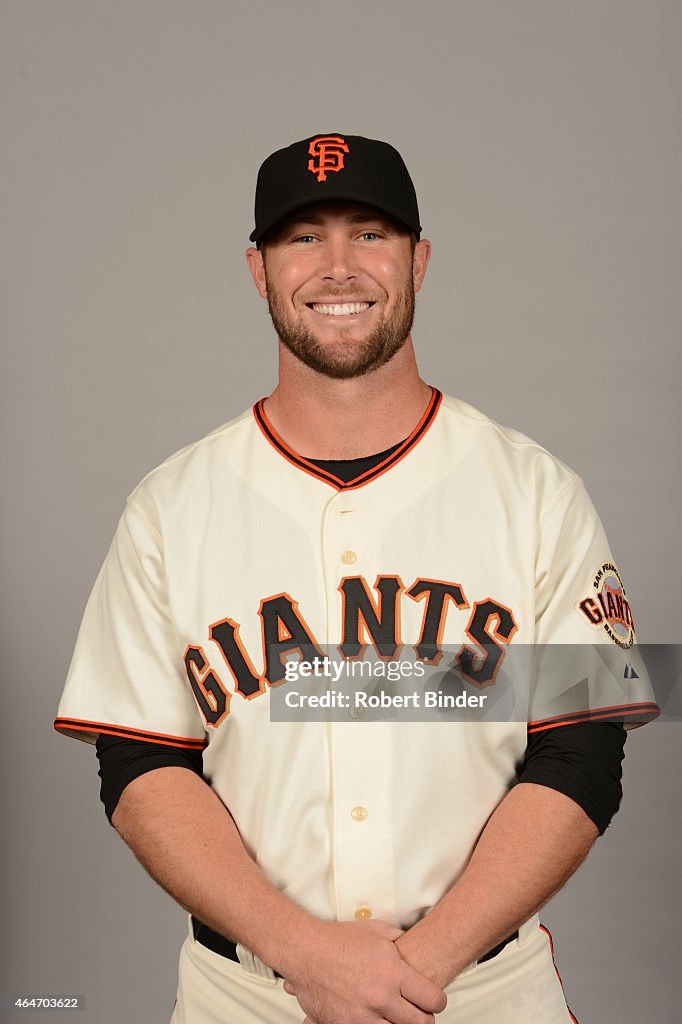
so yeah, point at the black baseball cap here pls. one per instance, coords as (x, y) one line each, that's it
(334, 166)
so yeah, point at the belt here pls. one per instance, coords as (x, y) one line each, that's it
(217, 942)
(225, 947)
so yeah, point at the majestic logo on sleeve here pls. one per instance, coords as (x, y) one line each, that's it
(327, 152)
(367, 618)
(609, 608)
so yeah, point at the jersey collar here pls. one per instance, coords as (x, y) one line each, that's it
(391, 460)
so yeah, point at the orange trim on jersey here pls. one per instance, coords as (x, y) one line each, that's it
(551, 949)
(163, 739)
(647, 711)
(308, 466)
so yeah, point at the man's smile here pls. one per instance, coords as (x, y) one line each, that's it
(344, 310)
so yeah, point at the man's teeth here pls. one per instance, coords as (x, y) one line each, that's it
(340, 310)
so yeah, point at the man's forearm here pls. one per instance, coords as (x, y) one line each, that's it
(188, 842)
(532, 843)
(185, 838)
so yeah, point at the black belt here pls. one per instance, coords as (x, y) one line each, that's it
(218, 943)
(225, 947)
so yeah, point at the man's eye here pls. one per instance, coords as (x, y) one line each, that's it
(373, 233)
(303, 238)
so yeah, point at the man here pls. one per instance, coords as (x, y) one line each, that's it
(350, 872)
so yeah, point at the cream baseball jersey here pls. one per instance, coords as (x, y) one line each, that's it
(236, 552)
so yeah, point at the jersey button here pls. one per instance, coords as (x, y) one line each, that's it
(349, 558)
(359, 813)
(362, 914)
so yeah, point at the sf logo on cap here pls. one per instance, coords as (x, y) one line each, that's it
(329, 150)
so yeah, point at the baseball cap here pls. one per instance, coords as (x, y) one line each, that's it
(334, 166)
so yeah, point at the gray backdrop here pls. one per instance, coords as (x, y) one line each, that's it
(544, 141)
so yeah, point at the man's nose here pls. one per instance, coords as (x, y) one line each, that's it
(339, 260)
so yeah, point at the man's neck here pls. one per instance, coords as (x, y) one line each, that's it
(322, 418)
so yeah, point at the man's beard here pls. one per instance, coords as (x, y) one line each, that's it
(345, 358)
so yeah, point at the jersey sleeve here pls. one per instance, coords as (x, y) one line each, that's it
(127, 674)
(586, 664)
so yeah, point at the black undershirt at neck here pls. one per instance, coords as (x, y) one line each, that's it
(349, 469)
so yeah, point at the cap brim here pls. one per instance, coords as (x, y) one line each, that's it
(257, 235)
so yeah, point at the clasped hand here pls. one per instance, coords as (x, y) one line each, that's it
(356, 975)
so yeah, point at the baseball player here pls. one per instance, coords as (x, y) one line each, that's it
(350, 871)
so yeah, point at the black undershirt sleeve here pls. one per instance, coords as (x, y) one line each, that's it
(581, 761)
(584, 762)
(122, 760)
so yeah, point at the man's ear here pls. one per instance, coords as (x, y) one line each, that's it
(422, 255)
(254, 258)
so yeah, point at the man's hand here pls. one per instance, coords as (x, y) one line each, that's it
(424, 958)
(357, 976)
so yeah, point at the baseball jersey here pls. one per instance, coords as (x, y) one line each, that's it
(235, 552)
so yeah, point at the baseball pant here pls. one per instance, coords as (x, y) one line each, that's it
(518, 986)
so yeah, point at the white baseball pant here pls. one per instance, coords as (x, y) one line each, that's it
(519, 986)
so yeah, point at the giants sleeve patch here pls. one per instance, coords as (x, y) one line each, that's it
(607, 606)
